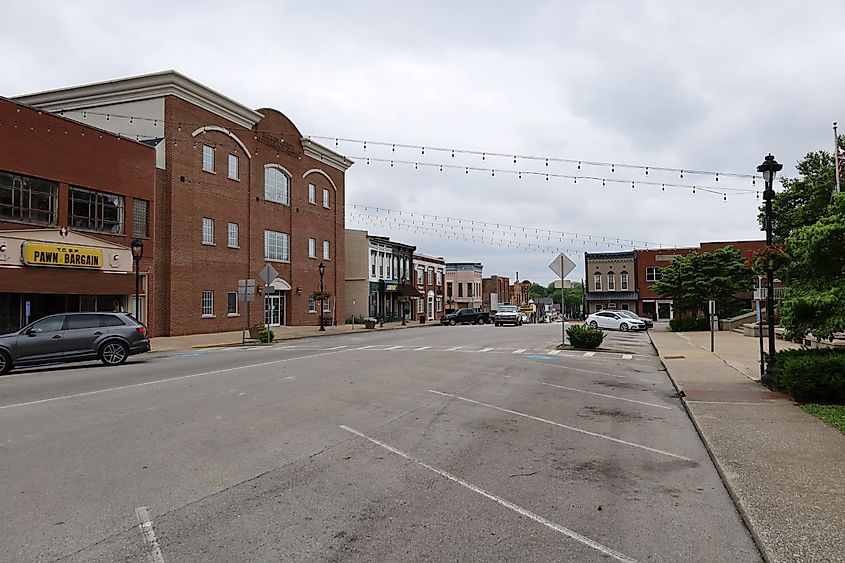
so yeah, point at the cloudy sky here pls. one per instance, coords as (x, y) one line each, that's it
(710, 86)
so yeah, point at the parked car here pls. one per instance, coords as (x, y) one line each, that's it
(508, 315)
(614, 320)
(631, 315)
(466, 316)
(71, 337)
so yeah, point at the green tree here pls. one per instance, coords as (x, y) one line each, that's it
(692, 280)
(536, 290)
(804, 199)
(814, 273)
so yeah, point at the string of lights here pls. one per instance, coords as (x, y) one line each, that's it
(491, 226)
(469, 238)
(546, 160)
(721, 191)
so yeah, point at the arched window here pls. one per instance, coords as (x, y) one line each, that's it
(611, 281)
(276, 185)
(597, 281)
(623, 281)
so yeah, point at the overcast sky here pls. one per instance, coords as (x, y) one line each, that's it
(690, 85)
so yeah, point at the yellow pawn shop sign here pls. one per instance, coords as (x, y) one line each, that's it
(40, 254)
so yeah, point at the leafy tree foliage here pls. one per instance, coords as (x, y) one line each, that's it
(815, 275)
(692, 280)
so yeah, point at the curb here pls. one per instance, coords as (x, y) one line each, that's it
(296, 337)
(746, 518)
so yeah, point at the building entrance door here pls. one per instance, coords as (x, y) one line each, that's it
(274, 310)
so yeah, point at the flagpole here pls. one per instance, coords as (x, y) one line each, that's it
(836, 155)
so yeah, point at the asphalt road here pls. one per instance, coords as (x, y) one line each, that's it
(466, 443)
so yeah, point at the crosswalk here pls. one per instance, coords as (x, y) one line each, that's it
(527, 352)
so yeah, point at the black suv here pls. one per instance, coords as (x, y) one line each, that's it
(71, 337)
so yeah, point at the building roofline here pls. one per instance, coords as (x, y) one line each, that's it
(142, 87)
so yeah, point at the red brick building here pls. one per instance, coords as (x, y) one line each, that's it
(72, 198)
(237, 188)
(650, 262)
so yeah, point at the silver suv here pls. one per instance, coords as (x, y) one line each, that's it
(71, 337)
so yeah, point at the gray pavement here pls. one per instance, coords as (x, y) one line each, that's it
(454, 443)
(784, 468)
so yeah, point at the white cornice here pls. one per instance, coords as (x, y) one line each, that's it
(321, 153)
(145, 87)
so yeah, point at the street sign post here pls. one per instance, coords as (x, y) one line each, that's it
(562, 266)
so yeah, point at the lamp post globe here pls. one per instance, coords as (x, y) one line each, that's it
(769, 170)
(322, 268)
(137, 248)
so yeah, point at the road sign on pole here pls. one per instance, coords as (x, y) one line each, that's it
(562, 266)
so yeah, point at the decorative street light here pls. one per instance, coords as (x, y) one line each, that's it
(322, 268)
(137, 247)
(769, 169)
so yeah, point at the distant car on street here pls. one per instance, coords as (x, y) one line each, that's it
(631, 315)
(613, 320)
(508, 315)
(466, 316)
(72, 337)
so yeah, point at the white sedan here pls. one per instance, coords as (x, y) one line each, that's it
(610, 319)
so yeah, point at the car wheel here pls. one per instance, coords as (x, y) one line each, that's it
(594, 324)
(452, 322)
(5, 363)
(114, 353)
(623, 327)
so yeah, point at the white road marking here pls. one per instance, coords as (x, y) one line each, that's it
(520, 351)
(146, 527)
(506, 503)
(421, 348)
(485, 349)
(87, 393)
(452, 348)
(589, 354)
(559, 425)
(589, 392)
(627, 356)
(554, 352)
(393, 348)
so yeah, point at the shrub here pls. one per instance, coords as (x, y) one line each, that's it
(265, 335)
(687, 324)
(585, 337)
(816, 375)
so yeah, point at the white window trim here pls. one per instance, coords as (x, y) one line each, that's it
(206, 243)
(213, 159)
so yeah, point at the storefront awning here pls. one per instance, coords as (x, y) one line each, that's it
(410, 291)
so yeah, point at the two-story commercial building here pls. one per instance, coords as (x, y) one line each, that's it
(236, 188)
(611, 281)
(463, 285)
(429, 277)
(384, 289)
(72, 199)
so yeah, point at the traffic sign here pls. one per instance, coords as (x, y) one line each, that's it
(268, 273)
(562, 265)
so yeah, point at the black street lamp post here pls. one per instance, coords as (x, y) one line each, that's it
(769, 169)
(137, 247)
(322, 268)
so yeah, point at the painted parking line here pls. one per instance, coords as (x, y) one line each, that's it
(146, 526)
(605, 395)
(506, 503)
(564, 426)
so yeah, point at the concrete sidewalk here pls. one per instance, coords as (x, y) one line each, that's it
(784, 468)
(211, 340)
